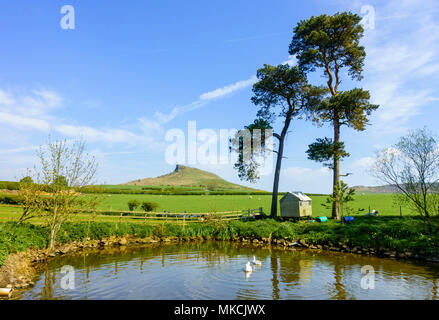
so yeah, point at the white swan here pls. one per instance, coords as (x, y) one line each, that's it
(256, 262)
(248, 267)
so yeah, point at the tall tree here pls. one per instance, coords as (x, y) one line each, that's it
(282, 93)
(332, 43)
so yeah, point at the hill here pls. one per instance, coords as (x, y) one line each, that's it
(377, 189)
(184, 176)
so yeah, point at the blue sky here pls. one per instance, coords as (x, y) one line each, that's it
(130, 71)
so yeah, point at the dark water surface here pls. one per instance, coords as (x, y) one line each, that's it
(214, 270)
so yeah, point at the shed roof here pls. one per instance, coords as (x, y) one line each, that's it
(299, 195)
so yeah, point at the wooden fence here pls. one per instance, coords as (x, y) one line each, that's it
(184, 217)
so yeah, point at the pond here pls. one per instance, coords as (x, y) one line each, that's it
(215, 270)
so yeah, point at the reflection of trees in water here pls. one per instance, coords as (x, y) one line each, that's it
(274, 279)
(50, 285)
(339, 288)
(47, 292)
(292, 268)
(295, 268)
(434, 291)
(211, 253)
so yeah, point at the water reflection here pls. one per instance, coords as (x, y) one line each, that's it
(214, 270)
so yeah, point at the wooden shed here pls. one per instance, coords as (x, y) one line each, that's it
(295, 205)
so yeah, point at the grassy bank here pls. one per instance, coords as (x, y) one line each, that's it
(383, 233)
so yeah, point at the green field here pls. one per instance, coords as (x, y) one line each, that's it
(207, 203)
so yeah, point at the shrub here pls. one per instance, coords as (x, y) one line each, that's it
(9, 185)
(133, 204)
(27, 180)
(15, 238)
(11, 199)
(149, 206)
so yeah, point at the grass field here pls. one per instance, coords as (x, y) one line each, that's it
(201, 204)
(173, 203)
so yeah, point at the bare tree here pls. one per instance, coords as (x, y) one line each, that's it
(412, 166)
(63, 170)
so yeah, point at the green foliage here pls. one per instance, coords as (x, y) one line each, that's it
(246, 164)
(283, 91)
(99, 230)
(27, 180)
(11, 199)
(212, 189)
(384, 233)
(342, 194)
(9, 185)
(60, 182)
(133, 204)
(149, 206)
(351, 107)
(332, 40)
(332, 43)
(323, 150)
(15, 238)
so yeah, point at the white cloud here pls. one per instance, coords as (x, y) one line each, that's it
(164, 118)
(203, 99)
(92, 134)
(6, 99)
(362, 163)
(306, 179)
(206, 97)
(28, 111)
(402, 53)
(33, 111)
(292, 60)
(17, 150)
(23, 122)
(224, 91)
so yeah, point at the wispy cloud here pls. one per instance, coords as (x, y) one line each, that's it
(34, 111)
(23, 122)
(402, 53)
(209, 96)
(203, 99)
(362, 163)
(224, 91)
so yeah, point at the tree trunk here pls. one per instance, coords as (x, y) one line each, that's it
(52, 239)
(280, 152)
(336, 170)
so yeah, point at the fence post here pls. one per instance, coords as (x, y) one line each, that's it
(400, 211)
(144, 220)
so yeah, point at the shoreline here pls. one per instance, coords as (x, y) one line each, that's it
(21, 268)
